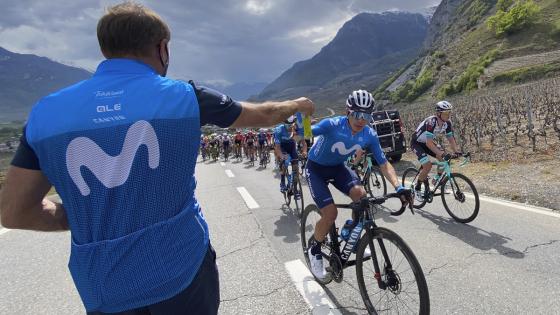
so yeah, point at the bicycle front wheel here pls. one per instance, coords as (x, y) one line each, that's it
(460, 198)
(376, 184)
(400, 286)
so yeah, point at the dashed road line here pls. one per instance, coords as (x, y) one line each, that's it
(313, 294)
(251, 203)
(229, 173)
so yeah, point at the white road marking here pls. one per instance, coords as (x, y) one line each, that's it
(519, 206)
(2, 231)
(222, 164)
(313, 294)
(229, 173)
(251, 203)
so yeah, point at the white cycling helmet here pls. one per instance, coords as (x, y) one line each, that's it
(360, 101)
(443, 106)
(290, 120)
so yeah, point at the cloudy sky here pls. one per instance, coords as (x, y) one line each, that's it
(213, 41)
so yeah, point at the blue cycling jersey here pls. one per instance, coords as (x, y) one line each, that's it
(108, 143)
(282, 134)
(335, 142)
(261, 136)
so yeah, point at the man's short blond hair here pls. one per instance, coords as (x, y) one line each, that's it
(130, 29)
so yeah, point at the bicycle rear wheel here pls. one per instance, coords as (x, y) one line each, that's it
(460, 198)
(311, 215)
(376, 185)
(400, 286)
(409, 179)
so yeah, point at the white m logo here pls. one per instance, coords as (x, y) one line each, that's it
(111, 171)
(341, 148)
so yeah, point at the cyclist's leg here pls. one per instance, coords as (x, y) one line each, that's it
(348, 183)
(422, 152)
(317, 179)
(291, 149)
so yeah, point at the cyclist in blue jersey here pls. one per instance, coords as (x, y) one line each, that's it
(262, 143)
(120, 148)
(339, 138)
(284, 146)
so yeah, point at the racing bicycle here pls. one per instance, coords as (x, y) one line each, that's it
(390, 278)
(458, 193)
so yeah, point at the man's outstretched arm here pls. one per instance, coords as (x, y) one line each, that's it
(271, 113)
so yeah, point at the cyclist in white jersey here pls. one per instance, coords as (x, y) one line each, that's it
(423, 144)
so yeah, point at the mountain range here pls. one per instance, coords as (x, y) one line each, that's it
(362, 54)
(25, 78)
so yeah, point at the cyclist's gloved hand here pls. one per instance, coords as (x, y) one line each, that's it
(447, 157)
(457, 154)
(405, 195)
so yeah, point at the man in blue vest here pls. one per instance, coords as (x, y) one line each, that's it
(120, 148)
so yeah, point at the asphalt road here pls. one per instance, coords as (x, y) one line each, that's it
(507, 261)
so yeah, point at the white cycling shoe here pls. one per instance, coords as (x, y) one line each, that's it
(317, 267)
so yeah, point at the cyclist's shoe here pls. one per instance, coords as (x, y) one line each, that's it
(297, 196)
(283, 188)
(317, 267)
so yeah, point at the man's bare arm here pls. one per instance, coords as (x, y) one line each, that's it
(271, 113)
(23, 206)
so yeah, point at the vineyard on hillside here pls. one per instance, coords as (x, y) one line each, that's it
(502, 124)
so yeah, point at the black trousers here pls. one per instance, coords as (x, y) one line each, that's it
(202, 296)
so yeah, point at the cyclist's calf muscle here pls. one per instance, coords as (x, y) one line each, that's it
(330, 212)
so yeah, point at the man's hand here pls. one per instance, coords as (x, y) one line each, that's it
(406, 196)
(305, 106)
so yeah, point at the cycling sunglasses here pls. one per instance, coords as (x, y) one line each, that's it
(361, 115)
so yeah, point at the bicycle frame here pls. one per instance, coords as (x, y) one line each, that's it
(446, 173)
(367, 219)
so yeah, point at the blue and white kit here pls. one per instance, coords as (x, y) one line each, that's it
(108, 144)
(335, 143)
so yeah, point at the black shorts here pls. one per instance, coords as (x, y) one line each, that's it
(250, 144)
(238, 142)
(422, 151)
(202, 296)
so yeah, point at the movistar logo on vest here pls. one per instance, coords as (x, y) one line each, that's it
(342, 150)
(111, 171)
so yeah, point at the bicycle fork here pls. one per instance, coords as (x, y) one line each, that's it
(388, 267)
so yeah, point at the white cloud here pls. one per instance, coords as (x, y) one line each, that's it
(258, 7)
